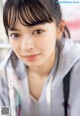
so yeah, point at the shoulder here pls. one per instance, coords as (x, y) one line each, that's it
(69, 49)
(5, 60)
(76, 68)
(6, 63)
(10, 58)
(5, 73)
(75, 77)
(70, 44)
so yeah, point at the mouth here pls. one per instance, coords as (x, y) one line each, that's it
(32, 57)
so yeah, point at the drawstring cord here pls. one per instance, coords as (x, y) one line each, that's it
(12, 81)
(48, 91)
(48, 97)
(12, 100)
(66, 90)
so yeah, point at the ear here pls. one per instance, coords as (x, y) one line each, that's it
(60, 29)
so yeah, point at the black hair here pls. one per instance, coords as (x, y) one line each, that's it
(32, 12)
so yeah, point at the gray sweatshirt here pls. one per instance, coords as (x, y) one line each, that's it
(14, 90)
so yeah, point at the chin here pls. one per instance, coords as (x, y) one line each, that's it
(34, 64)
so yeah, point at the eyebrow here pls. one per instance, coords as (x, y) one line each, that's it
(36, 24)
(30, 25)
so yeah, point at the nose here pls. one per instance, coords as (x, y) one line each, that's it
(27, 44)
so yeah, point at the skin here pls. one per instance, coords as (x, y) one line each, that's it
(40, 40)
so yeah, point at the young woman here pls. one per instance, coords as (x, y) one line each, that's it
(41, 74)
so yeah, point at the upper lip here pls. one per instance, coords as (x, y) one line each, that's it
(29, 56)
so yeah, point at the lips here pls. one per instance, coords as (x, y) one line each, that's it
(31, 57)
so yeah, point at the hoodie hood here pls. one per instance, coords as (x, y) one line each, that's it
(68, 56)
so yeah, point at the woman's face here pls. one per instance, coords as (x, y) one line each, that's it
(34, 45)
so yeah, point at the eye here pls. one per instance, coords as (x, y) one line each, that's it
(14, 35)
(39, 31)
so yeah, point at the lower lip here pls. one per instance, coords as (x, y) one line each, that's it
(32, 58)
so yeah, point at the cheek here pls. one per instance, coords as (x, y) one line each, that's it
(50, 42)
(47, 40)
(15, 46)
(50, 46)
(47, 47)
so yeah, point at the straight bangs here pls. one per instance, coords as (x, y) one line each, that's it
(28, 12)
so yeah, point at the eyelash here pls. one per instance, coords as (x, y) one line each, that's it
(16, 35)
(36, 32)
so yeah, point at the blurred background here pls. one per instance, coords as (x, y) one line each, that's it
(4, 44)
(71, 14)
